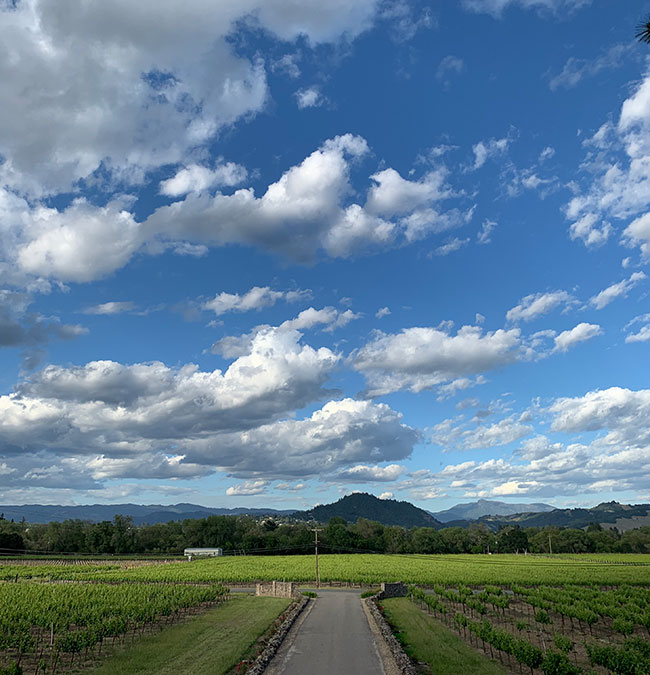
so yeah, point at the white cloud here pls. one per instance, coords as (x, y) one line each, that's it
(80, 243)
(382, 312)
(637, 233)
(386, 495)
(234, 346)
(457, 436)
(362, 473)
(329, 316)
(622, 288)
(580, 333)
(575, 70)
(310, 98)
(532, 306)
(624, 412)
(303, 213)
(142, 84)
(448, 67)
(341, 434)
(256, 298)
(485, 233)
(287, 64)
(422, 358)
(197, 178)
(496, 7)
(454, 245)
(617, 183)
(109, 308)
(489, 149)
(248, 489)
(547, 153)
(615, 457)
(643, 333)
(590, 230)
(107, 421)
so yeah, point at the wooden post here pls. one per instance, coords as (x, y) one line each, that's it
(315, 530)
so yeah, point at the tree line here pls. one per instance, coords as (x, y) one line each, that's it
(268, 536)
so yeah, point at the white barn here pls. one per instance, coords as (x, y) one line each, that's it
(202, 552)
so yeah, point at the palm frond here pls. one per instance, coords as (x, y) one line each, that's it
(643, 31)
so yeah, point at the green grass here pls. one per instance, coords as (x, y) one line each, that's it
(427, 640)
(212, 643)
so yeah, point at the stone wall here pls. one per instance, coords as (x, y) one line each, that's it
(277, 589)
(394, 590)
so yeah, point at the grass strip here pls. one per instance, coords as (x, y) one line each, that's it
(427, 640)
(211, 643)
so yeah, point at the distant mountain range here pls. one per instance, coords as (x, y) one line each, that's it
(608, 514)
(363, 505)
(152, 513)
(359, 505)
(485, 507)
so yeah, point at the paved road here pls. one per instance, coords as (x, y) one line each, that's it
(331, 637)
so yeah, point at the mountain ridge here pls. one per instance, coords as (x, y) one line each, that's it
(485, 507)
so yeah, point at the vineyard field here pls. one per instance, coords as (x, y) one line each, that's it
(559, 630)
(608, 569)
(47, 623)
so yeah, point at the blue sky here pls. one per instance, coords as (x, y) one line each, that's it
(269, 253)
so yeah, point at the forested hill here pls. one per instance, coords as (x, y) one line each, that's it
(363, 505)
(608, 514)
(139, 513)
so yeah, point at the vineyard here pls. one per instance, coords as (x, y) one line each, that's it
(547, 614)
(556, 630)
(364, 569)
(50, 626)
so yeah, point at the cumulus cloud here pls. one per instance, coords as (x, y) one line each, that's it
(197, 178)
(450, 435)
(248, 489)
(625, 413)
(234, 346)
(532, 306)
(304, 213)
(622, 288)
(79, 426)
(612, 452)
(142, 399)
(617, 185)
(421, 358)
(580, 333)
(256, 298)
(341, 434)
(362, 473)
(147, 85)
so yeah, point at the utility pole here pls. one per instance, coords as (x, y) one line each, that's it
(550, 547)
(316, 530)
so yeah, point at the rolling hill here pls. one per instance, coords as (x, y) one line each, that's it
(363, 505)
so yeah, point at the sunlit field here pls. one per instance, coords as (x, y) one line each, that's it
(606, 569)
